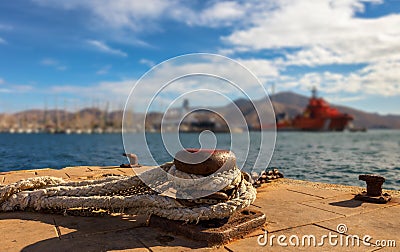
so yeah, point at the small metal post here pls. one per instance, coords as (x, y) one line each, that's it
(374, 189)
(374, 184)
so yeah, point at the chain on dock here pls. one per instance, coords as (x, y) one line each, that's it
(267, 176)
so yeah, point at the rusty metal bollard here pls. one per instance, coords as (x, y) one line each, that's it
(374, 189)
(374, 184)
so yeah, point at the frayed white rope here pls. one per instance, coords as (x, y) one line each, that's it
(41, 193)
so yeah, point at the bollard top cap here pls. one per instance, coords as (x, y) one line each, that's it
(204, 161)
(371, 178)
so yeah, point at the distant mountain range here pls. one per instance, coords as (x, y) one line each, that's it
(284, 102)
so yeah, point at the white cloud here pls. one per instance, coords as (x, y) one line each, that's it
(13, 88)
(4, 27)
(147, 62)
(200, 66)
(118, 91)
(261, 68)
(104, 70)
(116, 13)
(105, 91)
(321, 32)
(224, 11)
(340, 99)
(21, 88)
(218, 14)
(53, 63)
(226, 51)
(143, 15)
(102, 89)
(306, 33)
(101, 46)
(62, 68)
(327, 32)
(375, 79)
(49, 62)
(5, 90)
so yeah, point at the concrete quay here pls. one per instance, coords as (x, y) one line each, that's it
(293, 209)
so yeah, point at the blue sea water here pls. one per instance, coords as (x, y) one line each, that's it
(333, 157)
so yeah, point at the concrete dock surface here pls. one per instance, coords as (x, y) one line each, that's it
(296, 212)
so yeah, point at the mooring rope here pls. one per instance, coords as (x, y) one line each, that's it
(128, 194)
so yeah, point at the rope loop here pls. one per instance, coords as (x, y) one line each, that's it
(127, 194)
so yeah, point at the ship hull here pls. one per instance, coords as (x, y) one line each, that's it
(316, 124)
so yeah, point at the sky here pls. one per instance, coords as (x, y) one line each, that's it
(79, 53)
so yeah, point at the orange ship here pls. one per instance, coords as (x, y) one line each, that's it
(318, 116)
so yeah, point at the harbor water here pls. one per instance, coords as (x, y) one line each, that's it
(333, 157)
